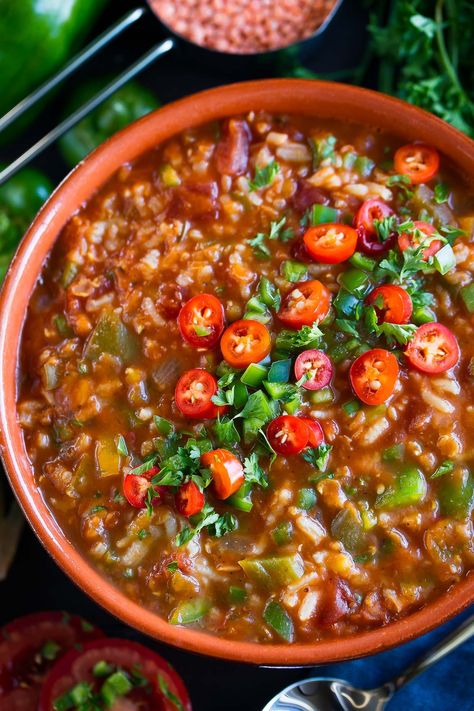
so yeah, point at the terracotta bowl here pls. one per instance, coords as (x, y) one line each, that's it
(309, 98)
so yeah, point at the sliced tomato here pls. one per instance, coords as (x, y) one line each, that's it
(392, 303)
(373, 376)
(288, 434)
(368, 240)
(227, 471)
(245, 342)
(29, 646)
(433, 349)
(193, 394)
(316, 434)
(423, 231)
(136, 486)
(418, 161)
(189, 499)
(159, 682)
(307, 303)
(201, 321)
(317, 368)
(331, 242)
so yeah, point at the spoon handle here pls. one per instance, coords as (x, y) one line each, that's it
(447, 645)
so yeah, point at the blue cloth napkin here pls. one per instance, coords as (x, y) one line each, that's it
(447, 686)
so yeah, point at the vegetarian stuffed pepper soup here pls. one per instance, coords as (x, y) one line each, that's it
(246, 373)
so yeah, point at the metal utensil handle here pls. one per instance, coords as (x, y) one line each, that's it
(447, 645)
(77, 61)
(144, 61)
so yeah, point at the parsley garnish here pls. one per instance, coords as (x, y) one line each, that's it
(306, 337)
(318, 456)
(264, 176)
(385, 227)
(258, 243)
(226, 432)
(393, 332)
(253, 472)
(402, 182)
(173, 566)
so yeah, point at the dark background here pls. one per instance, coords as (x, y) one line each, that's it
(35, 583)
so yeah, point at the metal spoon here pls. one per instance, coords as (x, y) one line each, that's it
(319, 694)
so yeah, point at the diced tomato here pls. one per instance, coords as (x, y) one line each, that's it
(78, 667)
(227, 472)
(331, 243)
(392, 303)
(189, 499)
(423, 231)
(317, 368)
(316, 434)
(136, 486)
(23, 662)
(193, 394)
(373, 376)
(307, 303)
(244, 342)
(368, 240)
(418, 161)
(433, 349)
(201, 321)
(288, 434)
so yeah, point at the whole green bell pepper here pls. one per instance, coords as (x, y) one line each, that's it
(20, 199)
(36, 39)
(128, 104)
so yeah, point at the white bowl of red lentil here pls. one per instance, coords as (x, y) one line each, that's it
(250, 623)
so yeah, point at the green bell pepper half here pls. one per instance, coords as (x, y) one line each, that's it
(128, 104)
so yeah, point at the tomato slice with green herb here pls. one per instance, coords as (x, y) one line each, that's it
(189, 499)
(316, 434)
(433, 349)
(244, 342)
(417, 160)
(421, 234)
(307, 303)
(392, 303)
(372, 238)
(373, 376)
(316, 369)
(331, 242)
(226, 470)
(288, 434)
(136, 487)
(113, 673)
(194, 392)
(201, 321)
(29, 647)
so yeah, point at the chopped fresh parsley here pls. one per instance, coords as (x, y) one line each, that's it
(172, 567)
(204, 518)
(253, 472)
(403, 183)
(318, 456)
(306, 337)
(259, 247)
(226, 432)
(393, 332)
(222, 525)
(264, 176)
(385, 227)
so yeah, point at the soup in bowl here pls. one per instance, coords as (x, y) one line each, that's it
(245, 377)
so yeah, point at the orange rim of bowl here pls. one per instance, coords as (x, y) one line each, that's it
(281, 96)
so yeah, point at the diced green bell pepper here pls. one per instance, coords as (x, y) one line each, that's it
(110, 335)
(242, 499)
(456, 494)
(362, 261)
(346, 304)
(275, 572)
(279, 371)
(467, 295)
(409, 488)
(190, 611)
(279, 620)
(322, 213)
(283, 533)
(253, 375)
(348, 528)
(356, 282)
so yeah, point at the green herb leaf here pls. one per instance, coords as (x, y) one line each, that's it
(318, 457)
(306, 337)
(226, 432)
(441, 193)
(222, 525)
(253, 472)
(264, 176)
